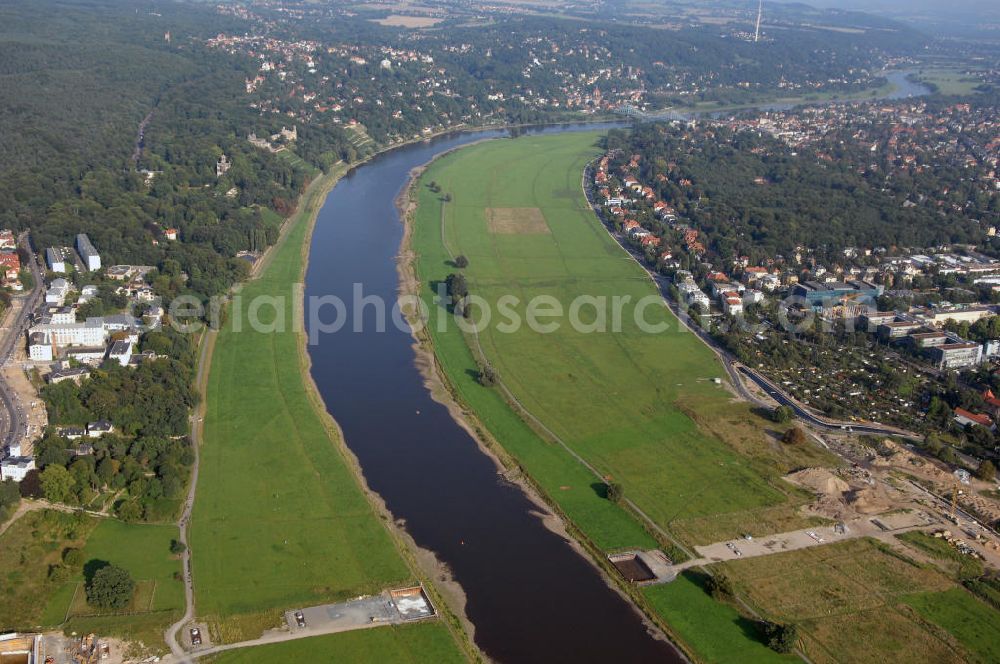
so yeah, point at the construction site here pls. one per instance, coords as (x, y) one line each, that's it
(55, 648)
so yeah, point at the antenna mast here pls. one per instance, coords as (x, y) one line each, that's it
(760, 10)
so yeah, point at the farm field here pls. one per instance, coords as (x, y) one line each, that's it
(279, 518)
(518, 214)
(849, 601)
(410, 643)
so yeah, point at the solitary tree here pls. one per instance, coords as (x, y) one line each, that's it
(177, 546)
(615, 492)
(794, 436)
(458, 288)
(461, 261)
(781, 414)
(780, 638)
(110, 588)
(720, 586)
(986, 471)
(488, 376)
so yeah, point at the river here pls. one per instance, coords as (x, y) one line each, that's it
(899, 80)
(530, 595)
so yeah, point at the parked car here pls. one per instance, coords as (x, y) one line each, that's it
(195, 636)
(300, 619)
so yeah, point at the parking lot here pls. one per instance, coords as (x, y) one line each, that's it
(388, 608)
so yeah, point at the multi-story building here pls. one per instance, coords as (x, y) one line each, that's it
(821, 296)
(87, 252)
(55, 260)
(957, 355)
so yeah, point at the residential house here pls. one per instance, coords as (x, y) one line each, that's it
(99, 428)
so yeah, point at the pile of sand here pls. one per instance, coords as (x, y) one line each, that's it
(871, 500)
(820, 480)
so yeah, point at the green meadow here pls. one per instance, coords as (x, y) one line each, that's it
(717, 632)
(34, 597)
(618, 399)
(640, 407)
(973, 623)
(280, 520)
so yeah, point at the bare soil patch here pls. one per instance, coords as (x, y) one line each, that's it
(516, 221)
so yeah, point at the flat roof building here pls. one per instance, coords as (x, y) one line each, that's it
(821, 296)
(897, 329)
(957, 355)
(54, 259)
(87, 252)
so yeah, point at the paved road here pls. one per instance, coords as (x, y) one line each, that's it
(197, 423)
(798, 539)
(12, 423)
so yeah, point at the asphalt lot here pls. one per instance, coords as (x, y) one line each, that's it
(346, 615)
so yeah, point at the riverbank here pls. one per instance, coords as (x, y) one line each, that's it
(443, 390)
(296, 535)
(551, 375)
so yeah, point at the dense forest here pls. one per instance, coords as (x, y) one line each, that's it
(78, 81)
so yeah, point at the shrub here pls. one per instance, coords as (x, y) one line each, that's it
(73, 557)
(794, 436)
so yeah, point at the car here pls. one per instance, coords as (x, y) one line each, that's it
(195, 636)
(300, 619)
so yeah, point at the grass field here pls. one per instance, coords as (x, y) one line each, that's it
(32, 598)
(639, 407)
(949, 81)
(615, 399)
(957, 564)
(279, 520)
(27, 550)
(973, 623)
(717, 632)
(848, 601)
(411, 643)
